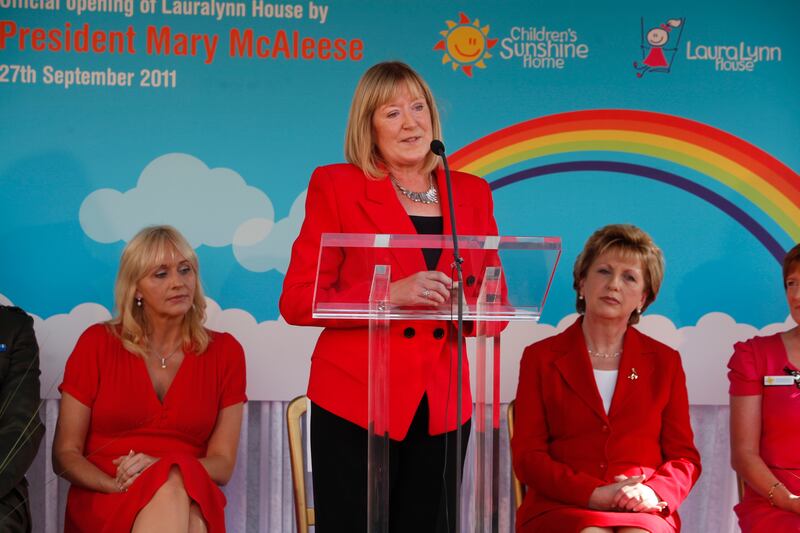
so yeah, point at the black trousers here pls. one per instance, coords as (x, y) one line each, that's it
(422, 475)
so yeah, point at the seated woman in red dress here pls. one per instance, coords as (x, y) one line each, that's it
(151, 402)
(765, 414)
(603, 439)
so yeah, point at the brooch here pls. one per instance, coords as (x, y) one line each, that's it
(633, 376)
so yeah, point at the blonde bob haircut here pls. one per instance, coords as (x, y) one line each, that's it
(630, 243)
(151, 247)
(379, 85)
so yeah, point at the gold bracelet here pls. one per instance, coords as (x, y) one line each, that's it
(771, 493)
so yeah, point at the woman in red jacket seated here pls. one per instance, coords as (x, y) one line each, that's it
(151, 402)
(603, 438)
(392, 184)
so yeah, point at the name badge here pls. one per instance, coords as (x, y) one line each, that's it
(773, 381)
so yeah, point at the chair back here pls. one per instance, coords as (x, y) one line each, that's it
(740, 486)
(519, 488)
(294, 416)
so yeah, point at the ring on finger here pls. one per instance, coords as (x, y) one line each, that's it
(426, 293)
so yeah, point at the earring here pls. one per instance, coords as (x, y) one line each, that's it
(139, 301)
(639, 309)
(580, 297)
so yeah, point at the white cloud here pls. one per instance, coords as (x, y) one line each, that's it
(260, 246)
(206, 205)
(279, 355)
(214, 207)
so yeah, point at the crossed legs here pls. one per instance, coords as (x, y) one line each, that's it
(170, 509)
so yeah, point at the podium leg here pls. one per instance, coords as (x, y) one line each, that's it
(378, 404)
(487, 434)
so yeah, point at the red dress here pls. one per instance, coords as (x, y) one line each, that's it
(127, 415)
(656, 58)
(780, 438)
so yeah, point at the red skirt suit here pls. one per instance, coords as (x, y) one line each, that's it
(565, 445)
(127, 415)
(341, 199)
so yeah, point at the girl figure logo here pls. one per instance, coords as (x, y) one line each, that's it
(654, 46)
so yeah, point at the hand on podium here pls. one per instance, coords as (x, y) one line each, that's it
(430, 288)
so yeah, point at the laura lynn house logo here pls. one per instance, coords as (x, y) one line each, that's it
(740, 57)
(465, 44)
(659, 45)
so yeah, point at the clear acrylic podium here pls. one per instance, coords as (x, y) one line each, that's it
(505, 279)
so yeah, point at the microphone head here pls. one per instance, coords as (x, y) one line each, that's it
(437, 147)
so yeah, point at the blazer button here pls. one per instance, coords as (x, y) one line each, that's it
(605, 428)
(470, 280)
(438, 333)
(409, 333)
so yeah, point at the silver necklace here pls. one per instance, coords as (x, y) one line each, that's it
(604, 355)
(165, 358)
(431, 196)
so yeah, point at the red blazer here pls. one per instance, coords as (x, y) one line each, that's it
(565, 445)
(341, 199)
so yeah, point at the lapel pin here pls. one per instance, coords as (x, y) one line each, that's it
(633, 376)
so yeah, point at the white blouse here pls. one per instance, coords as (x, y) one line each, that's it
(606, 383)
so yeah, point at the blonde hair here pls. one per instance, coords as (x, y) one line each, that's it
(147, 249)
(631, 243)
(377, 86)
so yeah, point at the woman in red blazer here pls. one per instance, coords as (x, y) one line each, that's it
(392, 185)
(603, 438)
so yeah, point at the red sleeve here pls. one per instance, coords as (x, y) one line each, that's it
(677, 475)
(234, 376)
(322, 216)
(532, 462)
(745, 374)
(82, 372)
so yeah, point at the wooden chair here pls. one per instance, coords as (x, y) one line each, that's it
(294, 416)
(740, 486)
(519, 488)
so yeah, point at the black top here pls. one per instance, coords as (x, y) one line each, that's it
(429, 226)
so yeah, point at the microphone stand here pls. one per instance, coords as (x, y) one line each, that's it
(437, 147)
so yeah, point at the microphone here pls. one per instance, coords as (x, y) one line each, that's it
(437, 147)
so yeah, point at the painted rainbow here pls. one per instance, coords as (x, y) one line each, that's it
(757, 178)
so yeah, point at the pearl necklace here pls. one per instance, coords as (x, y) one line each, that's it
(431, 196)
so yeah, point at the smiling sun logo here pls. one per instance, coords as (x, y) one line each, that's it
(465, 44)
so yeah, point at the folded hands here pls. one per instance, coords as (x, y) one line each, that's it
(130, 467)
(627, 494)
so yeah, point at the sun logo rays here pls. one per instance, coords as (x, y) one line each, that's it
(465, 44)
